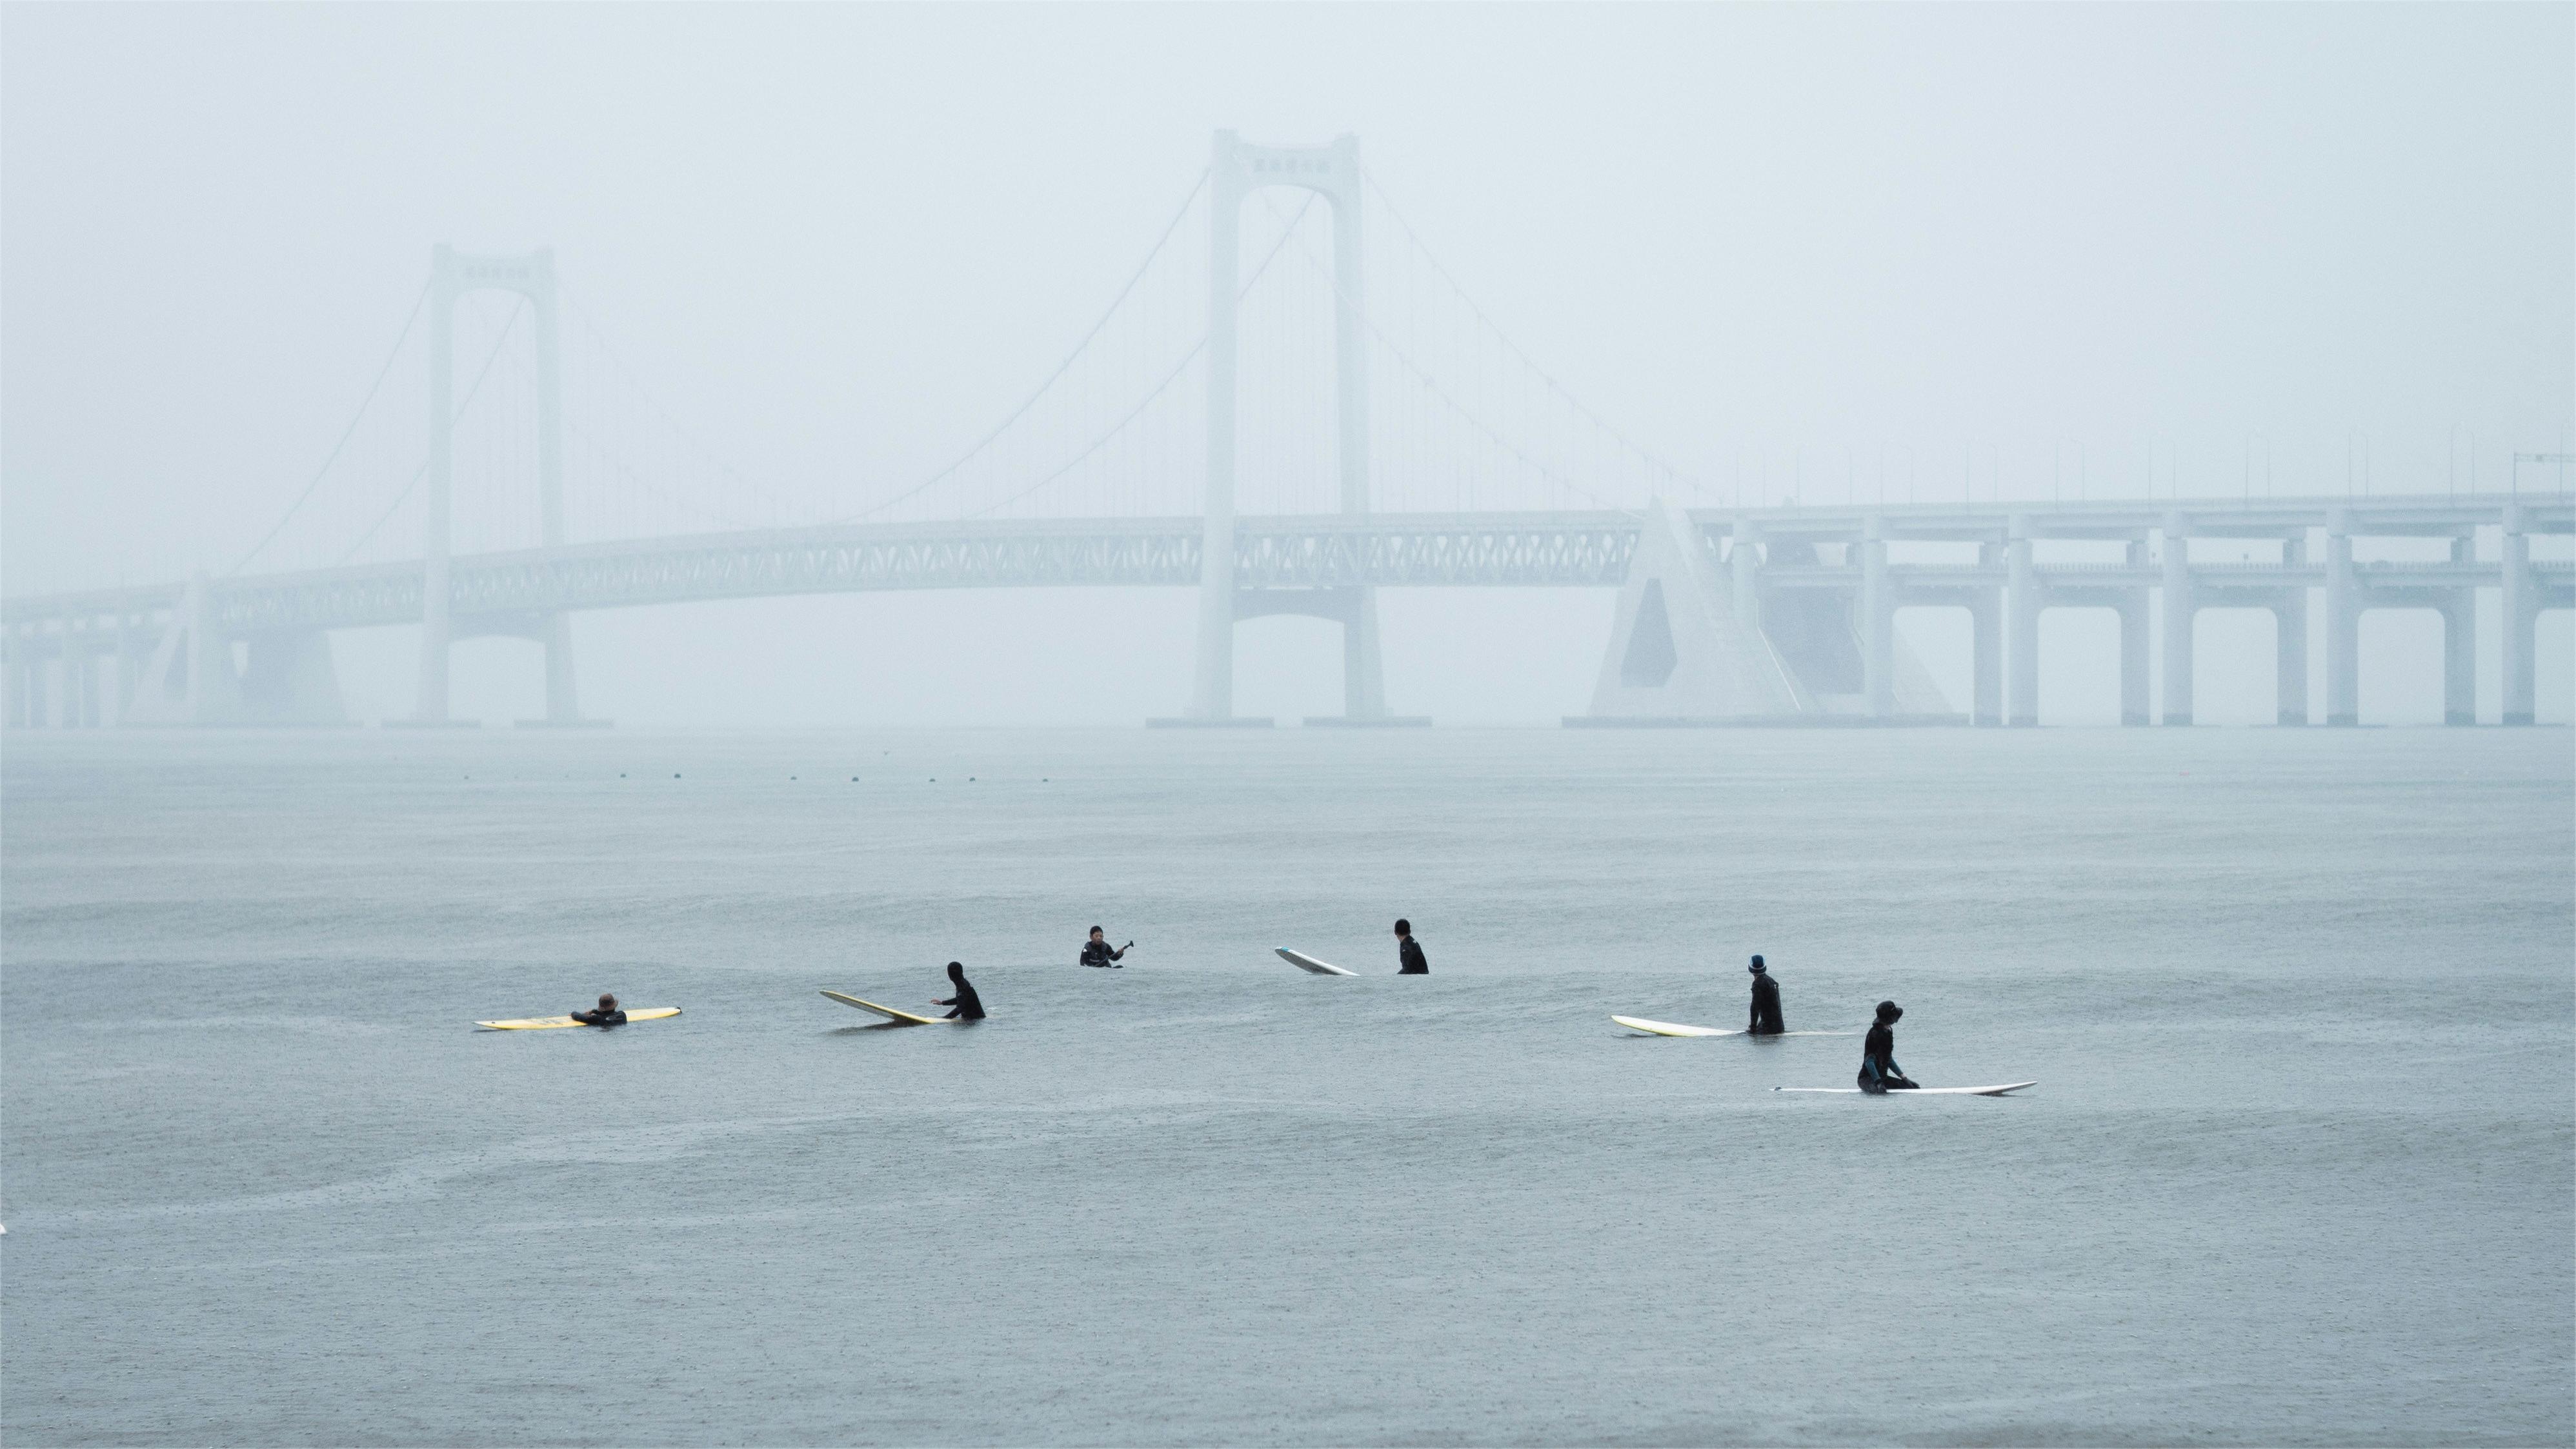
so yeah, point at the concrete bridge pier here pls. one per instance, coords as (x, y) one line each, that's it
(1986, 646)
(2022, 598)
(2521, 617)
(2179, 606)
(1878, 622)
(2343, 624)
(2290, 641)
(2133, 656)
(2460, 644)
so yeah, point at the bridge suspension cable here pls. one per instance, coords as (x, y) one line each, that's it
(1648, 456)
(351, 431)
(1196, 348)
(453, 418)
(1406, 360)
(1178, 216)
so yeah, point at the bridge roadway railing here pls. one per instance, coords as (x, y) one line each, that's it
(1395, 550)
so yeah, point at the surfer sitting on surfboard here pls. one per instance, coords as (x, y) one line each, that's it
(1098, 952)
(606, 1015)
(1878, 1069)
(1409, 952)
(1766, 1002)
(970, 1007)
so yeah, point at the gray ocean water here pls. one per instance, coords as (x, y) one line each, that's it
(2301, 1166)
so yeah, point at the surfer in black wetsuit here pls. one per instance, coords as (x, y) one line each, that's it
(966, 1005)
(606, 1014)
(1409, 952)
(1879, 1072)
(1766, 1002)
(1098, 952)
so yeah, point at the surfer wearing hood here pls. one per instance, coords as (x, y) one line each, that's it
(1879, 1072)
(967, 1006)
(1766, 1003)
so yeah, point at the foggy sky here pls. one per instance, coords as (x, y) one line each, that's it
(844, 241)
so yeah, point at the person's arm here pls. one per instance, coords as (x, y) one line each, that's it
(1753, 1018)
(1121, 953)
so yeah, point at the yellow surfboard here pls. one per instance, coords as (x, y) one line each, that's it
(544, 1023)
(900, 1018)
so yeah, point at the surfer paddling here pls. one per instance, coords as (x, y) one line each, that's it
(1765, 1020)
(1879, 1072)
(1098, 952)
(966, 1005)
(1408, 952)
(606, 1014)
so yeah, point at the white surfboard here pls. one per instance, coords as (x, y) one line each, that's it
(900, 1018)
(1304, 962)
(1668, 1028)
(1920, 1091)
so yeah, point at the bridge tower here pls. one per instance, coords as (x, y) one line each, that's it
(452, 275)
(1236, 170)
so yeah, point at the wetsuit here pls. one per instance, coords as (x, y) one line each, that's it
(1766, 1007)
(600, 1018)
(967, 1005)
(1878, 1068)
(1101, 953)
(1415, 963)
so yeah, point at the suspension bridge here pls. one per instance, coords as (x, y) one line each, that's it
(1374, 437)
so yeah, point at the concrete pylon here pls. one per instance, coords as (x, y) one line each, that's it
(1877, 622)
(190, 677)
(2520, 622)
(1986, 634)
(1680, 648)
(452, 275)
(2021, 595)
(2343, 624)
(1235, 171)
(2290, 648)
(2179, 609)
(2460, 645)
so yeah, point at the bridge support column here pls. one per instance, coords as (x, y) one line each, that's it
(1986, 647)
(2134, 613)
(2520, 623)
(436, 624)
(2023, 594)
(13, 680)
(1744, 574)
(80, 689)
(2460, 645)
(2290, 642)
(2343, 624)
(2178, 616)
(1212, 698)
(1878, 622)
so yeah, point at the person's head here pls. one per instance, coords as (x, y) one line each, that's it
(1095, 933)
(1888, 1012)
(607, 1001)
(1404, 928)
(1757, 968)
(957, 972)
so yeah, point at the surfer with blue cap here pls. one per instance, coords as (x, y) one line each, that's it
(1879, 1073)
(1765, 1020)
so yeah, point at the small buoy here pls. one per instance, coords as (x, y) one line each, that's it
(675, 774)
(970, 779)
(854, 779)
(621, 774)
